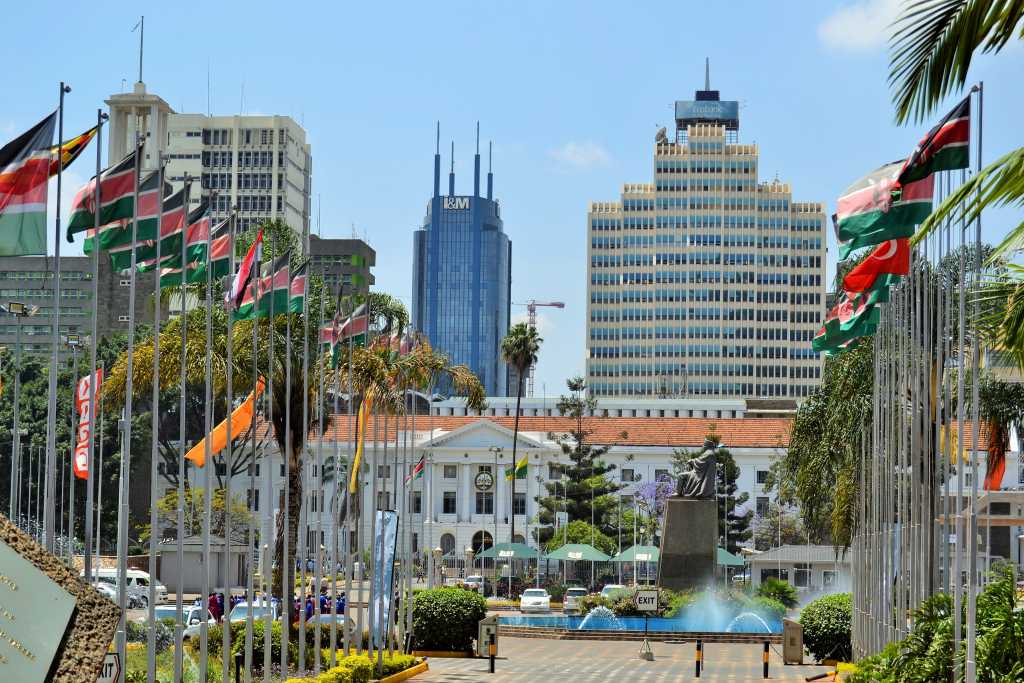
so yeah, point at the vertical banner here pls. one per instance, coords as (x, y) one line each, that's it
(384, 573)
(80, 461)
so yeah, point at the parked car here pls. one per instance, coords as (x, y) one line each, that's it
(191, 617)
(535, 600)
(570, 601)
(476, 581)
(259, 609)
(610, 591)
(136, 582)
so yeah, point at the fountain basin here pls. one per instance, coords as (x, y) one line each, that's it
(621, 626)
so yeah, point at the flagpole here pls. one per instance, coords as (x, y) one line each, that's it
(349, 507)
(126, 437)
(208, 464)
(302, 540)
(183, 449)
(268, 473)
(287, 587)
(89, 474)
(51, 414)
(337, 509)
(228, 461)
(317, 567)
(99, 470)
(155, 428)
(253, 491)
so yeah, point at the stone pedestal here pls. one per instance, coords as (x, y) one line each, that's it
(688, 544)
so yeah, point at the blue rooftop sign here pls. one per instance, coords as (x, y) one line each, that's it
(707, 110)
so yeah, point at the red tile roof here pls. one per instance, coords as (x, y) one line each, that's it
(631, 431)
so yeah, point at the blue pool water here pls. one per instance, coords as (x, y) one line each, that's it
(695, 621)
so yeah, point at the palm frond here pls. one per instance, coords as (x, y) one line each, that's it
(933, 43)
(1000, 183)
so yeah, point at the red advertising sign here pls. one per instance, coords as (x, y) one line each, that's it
(80, 461)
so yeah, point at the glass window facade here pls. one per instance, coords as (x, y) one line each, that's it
(461, 285)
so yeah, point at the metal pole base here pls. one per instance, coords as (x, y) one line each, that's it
(645, 651)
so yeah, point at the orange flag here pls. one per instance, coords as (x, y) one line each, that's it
(241, 418)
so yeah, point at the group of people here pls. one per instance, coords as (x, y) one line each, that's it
(325, 604)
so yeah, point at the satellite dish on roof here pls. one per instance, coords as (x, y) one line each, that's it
(661, 135)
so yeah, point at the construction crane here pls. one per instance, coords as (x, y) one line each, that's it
(531, 312)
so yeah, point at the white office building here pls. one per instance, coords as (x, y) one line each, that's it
(261, 164)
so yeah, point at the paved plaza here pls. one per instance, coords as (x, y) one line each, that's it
(535, 659)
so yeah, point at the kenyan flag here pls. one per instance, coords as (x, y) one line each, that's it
(276, 287)
(852, 317)
(297, 290)
(117, 196)
(118, 233)
(196, 236)
(876, 208)
(945, 147)
(171, 225)
(218, 261)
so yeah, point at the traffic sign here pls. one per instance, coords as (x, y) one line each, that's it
(646, 600)
(111, 670)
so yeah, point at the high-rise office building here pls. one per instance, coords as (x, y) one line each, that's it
(261, 164)
(708, 281)
(462, 275)
(342, 261)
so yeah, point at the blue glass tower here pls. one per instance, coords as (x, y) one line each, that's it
(462, 277)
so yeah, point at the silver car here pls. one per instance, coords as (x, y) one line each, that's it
(571, 600)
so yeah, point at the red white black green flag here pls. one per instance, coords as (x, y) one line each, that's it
(24, 172)
(945, 147)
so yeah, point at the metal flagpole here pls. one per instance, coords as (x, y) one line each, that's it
(90, 476)
(349, 507)
(336, 509)
(229, 459)
(51, 414)
(268, 477)
(70, 474)
(126, 436)
(960, 469)
(253, 491)
(15, 498)
(99, 478)
(287, 587)
(179, 651)
(208, 464)
(154, 520)
(320, 493)
(303, 539)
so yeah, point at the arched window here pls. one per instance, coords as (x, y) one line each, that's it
(447, 544)
(481, 541)
(518, 538)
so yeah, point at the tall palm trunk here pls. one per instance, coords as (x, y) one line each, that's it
(515, 443)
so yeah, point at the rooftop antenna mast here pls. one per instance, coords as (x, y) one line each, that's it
(141, 25)
(707, 73)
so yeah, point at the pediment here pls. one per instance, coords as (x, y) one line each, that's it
(482, 434)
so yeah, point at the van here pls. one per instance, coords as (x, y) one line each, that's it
(136, 584)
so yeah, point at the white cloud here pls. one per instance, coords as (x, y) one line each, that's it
(581, 155)
(859, 26)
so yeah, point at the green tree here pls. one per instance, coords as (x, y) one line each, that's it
(767, 529)
(733, 524)
(585, 491)
(519, 348)
(192, 504)
(578, 531)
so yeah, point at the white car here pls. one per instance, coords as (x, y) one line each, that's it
(570, 603)
(136, 584)
(476, 582)
(191, 615)
(535, 600)
(609, 592)
(259, 611)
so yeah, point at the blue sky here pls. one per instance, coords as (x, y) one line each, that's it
(571, 93)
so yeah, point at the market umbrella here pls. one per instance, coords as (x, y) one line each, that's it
(727, 559)
(578, 551)
(509, 551)
(639, 553)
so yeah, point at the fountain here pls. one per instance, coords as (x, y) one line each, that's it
(748, 615)
(604, 619)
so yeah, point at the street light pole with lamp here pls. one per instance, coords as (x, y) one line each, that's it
(494, 505)
(72, 341)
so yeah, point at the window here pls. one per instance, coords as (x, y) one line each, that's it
(519, 504)
(762, 476)
(774, 573)
(281, 468)
(254, 499)
(484, 468)
(383, 500)
(1020, 473)
(451, 471)
(626, 475)
(828, 578)
(447, 544)
(222, 469)
(125, 283)
(383, 471)
(762, 506)
(417, 502)
(555, 471)
(448, 503)
(484, 503)
(660, 475)
(801, 575)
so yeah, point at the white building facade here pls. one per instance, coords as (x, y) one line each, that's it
(261, 164)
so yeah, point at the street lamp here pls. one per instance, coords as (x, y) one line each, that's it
(19, 310)
(73, 342)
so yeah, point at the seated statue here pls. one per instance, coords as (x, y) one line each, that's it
(698, 481)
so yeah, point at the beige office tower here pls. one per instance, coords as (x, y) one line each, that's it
(260, 164)
(708, 281)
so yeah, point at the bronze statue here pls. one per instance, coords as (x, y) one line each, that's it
(698, 481)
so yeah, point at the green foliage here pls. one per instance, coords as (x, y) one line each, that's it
(670, 603)
(585, 492)
(780, 591)
(447, 619)
(589, 602)
(827, 624)
(766, 530)
(519, 348)
(768, 606)
(139, 633)
(579, 531)
(192, 505)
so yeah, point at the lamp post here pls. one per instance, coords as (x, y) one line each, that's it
(494, 505)
(18, 310)
(436, 553)
(73, 342)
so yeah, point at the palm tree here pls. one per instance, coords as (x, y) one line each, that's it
(933, 44)
(519, 348)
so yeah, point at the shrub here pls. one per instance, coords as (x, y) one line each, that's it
(589, 602)
(360, 666)
(447, 619)
(778, 590)
(139, 633)
(768, 607)
(398, 663)
(827, 624)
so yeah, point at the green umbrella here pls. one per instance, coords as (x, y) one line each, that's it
(727, 559)
(639, 553)
(578, 551)
(509, 551)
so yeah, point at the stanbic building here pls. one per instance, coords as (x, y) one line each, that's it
(462, 272)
